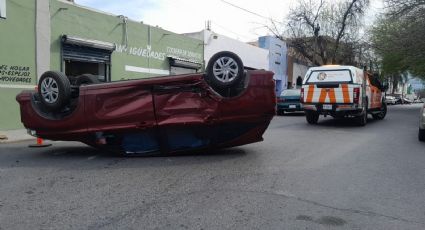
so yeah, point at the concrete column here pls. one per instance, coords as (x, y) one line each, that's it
(42, 29)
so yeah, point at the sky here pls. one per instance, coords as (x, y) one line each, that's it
(185, 16)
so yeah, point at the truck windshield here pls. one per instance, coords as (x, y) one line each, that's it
(319, 76)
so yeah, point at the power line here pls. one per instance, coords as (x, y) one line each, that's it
(251, 12)
(229, 30)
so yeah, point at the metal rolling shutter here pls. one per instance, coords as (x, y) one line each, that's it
(85, 54)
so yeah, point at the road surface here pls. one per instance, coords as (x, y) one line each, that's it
(333, 175)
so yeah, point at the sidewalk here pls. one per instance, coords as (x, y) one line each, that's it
(11, 136)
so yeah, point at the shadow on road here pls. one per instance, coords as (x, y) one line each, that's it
(343, 122)
(294, 114)
(68, 155)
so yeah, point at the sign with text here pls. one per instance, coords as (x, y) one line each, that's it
(15, 74)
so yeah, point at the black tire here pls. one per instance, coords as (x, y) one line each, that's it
(280, 112)
(54, 89)
(86, 79)
(381, 115)
(421, 135)
(224, 70)
(362, 119)
(312, 117)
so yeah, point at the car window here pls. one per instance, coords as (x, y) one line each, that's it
(323, 76)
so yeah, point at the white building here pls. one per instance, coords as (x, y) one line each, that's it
(252, 57)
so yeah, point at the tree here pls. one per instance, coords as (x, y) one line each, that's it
(325, 32)
(398, 37)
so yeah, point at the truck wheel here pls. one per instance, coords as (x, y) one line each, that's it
(382, 113)
(362, 119)
(54, 90)
(421, 135)
(224, 70)
(86, 79)
(312, 117)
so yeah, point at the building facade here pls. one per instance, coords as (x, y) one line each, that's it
(278, 62)
(59, 35)
(252, 57)
(296, 72)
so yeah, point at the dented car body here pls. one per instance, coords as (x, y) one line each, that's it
(157, 115)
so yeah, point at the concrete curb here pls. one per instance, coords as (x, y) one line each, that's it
(14, 136)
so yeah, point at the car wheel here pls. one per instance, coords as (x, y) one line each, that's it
(280, 112)
(362, 119)
(224, 70)
(86, 79)
(381, 115)
(54, 89)
(421, 135)
(312, 117)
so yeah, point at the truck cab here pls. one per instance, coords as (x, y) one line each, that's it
(342, 91)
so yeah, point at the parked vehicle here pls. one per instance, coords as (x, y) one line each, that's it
(418, 100)
(421, 133)
(342, 91)
(403, 100)
(225, 107)
(390, 100)
(289, 101)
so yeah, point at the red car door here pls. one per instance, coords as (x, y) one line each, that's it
(186, 113)
(119, 107)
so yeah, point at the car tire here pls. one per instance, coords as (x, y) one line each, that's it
(421, 135)
(312, 117)
(224, 70)
(280, 112)
(54, 89)
(86, 79)
(362, 119)
(381, 115)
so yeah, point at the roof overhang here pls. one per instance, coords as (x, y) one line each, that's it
(184, 63)
(72, 40)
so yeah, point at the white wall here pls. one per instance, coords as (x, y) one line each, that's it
(298, 70)
(252, 56)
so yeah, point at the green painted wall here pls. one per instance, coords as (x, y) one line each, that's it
(17, 58)
(72, 20)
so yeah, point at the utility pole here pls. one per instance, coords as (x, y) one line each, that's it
(208, 25)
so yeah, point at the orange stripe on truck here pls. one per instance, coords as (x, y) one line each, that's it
(310, 94)
(345, 93)
(324, 93)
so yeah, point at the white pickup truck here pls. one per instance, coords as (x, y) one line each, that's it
(342, 91)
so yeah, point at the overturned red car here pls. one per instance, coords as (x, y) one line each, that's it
(227, 106)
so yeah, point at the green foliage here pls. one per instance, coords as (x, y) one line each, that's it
(399, 38)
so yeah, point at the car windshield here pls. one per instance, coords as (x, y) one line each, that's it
(291, 92)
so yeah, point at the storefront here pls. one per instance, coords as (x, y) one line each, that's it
(59, 35)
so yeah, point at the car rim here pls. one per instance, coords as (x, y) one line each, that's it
(49, 90)
(225, 69)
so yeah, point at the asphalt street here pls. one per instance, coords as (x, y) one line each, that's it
(334, 175)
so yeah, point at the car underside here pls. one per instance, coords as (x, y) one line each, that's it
(157, 115)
